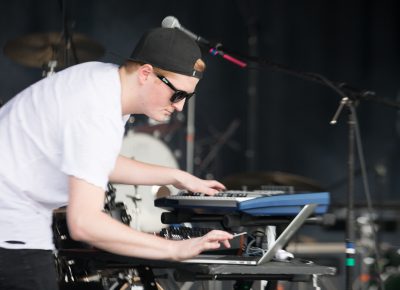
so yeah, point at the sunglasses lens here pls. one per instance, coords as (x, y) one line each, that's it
(178, 96)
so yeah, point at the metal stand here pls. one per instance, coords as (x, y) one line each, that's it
(190, 135)
(147, 277)
(350, 235)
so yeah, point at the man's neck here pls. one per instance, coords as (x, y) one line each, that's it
(128, 92)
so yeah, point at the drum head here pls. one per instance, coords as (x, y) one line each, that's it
(139, 200)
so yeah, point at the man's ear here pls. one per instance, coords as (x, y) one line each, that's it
(144, 71)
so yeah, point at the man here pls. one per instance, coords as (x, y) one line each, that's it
(59, 144)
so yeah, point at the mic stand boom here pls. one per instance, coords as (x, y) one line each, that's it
(250, 62)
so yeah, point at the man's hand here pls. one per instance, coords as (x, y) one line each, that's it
(189, 248)
(189, 182)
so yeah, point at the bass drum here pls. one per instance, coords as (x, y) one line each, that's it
(139, 200)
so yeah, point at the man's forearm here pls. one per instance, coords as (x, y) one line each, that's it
(128, 171)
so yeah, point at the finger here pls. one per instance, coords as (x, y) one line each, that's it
(214, 187)
(218, 235)
(217, 185)
(210, 191)
(216, 243)
(212, 245)
(226, 243)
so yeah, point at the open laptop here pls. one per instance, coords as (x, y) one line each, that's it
(280, 242)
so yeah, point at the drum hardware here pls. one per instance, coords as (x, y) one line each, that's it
(75, 271)
(91, 278)
(134, 199)
(131, 279)
(131, 119)
(116, 209)
(61, 236)
(139, 200)
(159, 130)
(135, 209)
(49, 68)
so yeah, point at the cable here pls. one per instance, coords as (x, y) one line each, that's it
(368, 198)
(253, 251)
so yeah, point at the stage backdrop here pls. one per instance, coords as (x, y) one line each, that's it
(283, 121)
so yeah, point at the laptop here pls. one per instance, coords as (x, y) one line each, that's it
(280, 242)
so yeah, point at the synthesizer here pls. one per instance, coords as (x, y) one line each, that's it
(225, 201)
(258, 203)
(182, 232)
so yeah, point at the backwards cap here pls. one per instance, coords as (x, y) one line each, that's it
(168, 49)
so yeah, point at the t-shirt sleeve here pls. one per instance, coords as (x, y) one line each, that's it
(90, 148)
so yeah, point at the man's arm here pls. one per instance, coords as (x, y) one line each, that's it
(88, 223)
(128, 171)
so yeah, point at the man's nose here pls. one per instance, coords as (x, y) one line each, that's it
(179, 105)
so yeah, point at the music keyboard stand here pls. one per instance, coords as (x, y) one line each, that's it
(294, 271)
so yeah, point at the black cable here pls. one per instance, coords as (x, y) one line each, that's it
(368, 198)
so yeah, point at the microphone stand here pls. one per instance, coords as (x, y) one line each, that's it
(349, 96)
(190, 135)
(350, 232)
(69, 45)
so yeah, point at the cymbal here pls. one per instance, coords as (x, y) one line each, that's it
(37, 50)
(255, 180)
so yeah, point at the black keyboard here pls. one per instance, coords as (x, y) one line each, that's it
(183, 233)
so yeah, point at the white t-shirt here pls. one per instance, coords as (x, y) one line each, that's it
(67, 124)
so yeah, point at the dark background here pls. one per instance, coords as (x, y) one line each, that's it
(356, 42)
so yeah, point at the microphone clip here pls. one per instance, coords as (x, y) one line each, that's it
(217, 50)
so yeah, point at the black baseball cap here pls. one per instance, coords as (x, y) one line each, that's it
(168, 49)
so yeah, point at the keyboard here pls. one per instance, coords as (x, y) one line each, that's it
(183, 233)
(258, 203)
(226, 201)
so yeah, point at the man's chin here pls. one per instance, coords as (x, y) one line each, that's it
(166, 119)
(162, 119)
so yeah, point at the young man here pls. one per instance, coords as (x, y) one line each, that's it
(59, 144)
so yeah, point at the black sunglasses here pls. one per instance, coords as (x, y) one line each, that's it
(178, 94)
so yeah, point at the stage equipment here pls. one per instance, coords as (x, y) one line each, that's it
(288, 271)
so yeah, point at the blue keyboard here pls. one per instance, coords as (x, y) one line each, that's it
(285, 204)
(257, 203)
